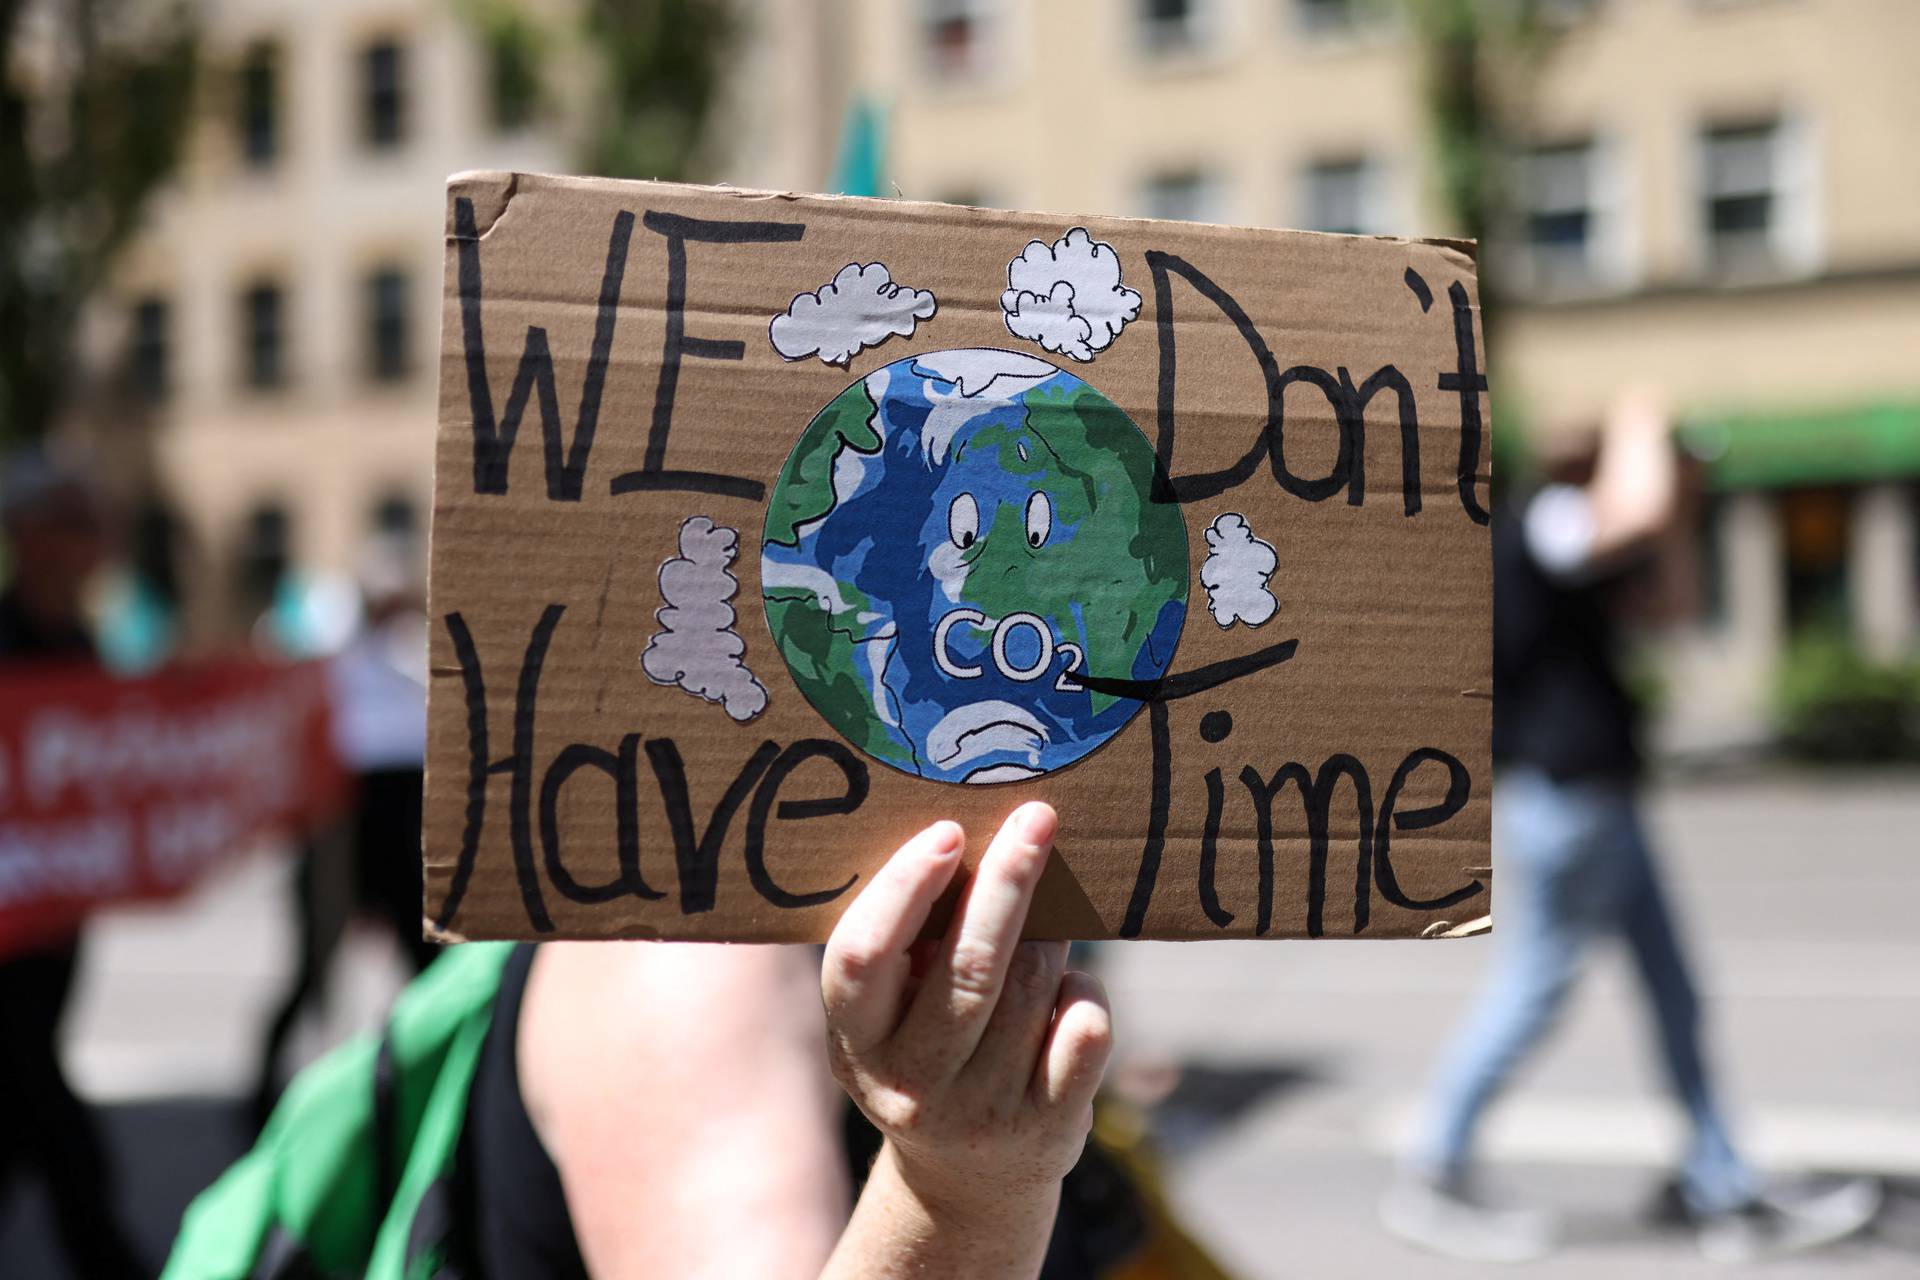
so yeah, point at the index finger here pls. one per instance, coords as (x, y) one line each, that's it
(866, 965)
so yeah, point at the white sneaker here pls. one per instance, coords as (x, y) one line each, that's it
(1450, 1221)
(1773, 1224)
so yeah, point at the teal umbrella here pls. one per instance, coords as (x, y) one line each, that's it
(863, 150)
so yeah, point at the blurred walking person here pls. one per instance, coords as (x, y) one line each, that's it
(54, 543)
(1575, 865)
(379, 706)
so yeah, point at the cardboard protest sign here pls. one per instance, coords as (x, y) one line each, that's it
(770, 528)
(113, 789)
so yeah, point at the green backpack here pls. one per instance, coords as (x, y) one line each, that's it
(352, 1175)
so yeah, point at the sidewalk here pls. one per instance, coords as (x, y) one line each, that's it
(1800, 888)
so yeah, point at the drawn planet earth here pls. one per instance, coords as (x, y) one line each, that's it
(954, 538)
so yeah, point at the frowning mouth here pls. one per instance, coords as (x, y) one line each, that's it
(988, 728)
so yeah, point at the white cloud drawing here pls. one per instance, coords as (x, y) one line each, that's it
(1235, 573)
(859, 308)
(1067, 296)
(696, 647)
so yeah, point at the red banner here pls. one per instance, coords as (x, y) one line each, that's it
(113, 788)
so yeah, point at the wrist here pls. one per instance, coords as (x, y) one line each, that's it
(960, 1203)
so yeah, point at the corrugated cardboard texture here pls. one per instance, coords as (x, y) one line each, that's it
(1287, 739)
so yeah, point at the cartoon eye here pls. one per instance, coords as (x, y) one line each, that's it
(1039, 519)
(963, 521)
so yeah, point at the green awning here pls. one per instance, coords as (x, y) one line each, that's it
(1778, 451)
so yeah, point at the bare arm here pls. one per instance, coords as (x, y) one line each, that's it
(681, 1092)
(1635, 491)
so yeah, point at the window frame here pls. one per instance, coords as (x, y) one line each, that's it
(985, 21)
(1368, 172)
(258, 87)
(272, 373)
(383, 105)
(150, 348)
(387, 355)
(1789, 244)
(1206, 187)
(1609, 259)
(1194, 34)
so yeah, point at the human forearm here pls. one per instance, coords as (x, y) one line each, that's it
(1635, 489)
(903, 1229)
(979, 1069)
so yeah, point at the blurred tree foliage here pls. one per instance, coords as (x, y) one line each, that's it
(1479, 59)
(1478, 62)
(1832, 702)
(664, 62)
(95, 99)
(657, 69)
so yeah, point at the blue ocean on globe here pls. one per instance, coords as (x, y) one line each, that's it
(954, 538)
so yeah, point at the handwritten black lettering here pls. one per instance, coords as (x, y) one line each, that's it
(678, 230)
(853, 772)
(493, 443)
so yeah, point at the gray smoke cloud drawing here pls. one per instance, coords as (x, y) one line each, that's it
(1235, 573)
(696, 647)
(860, 307)
(1067, 296)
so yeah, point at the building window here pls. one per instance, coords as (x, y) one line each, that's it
(383, 88)
(387, 325)
(1170, 26)
(264, 556)
(148, 347)
(1567, 13)
(395, 516)
(259, 93)
(263, 321)
(1341, 194)
(1562, 223)
(1326, 17)
(956, 37)
(1183, 196)
(1743, 203)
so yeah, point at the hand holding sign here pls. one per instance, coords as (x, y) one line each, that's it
(980, 1069)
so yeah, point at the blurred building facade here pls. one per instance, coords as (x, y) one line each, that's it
(281, 312)
(1714, 201)
(279, 319)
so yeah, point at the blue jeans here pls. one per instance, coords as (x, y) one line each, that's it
(1575, 867)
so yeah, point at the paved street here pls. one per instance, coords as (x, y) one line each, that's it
(1304, 1061)
(1802, 891)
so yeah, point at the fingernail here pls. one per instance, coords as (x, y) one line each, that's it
(944, 838)
(1036, 822)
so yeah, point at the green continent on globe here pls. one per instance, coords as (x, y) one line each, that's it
(952, 540)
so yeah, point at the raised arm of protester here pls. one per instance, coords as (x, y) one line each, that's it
(688, 1110)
